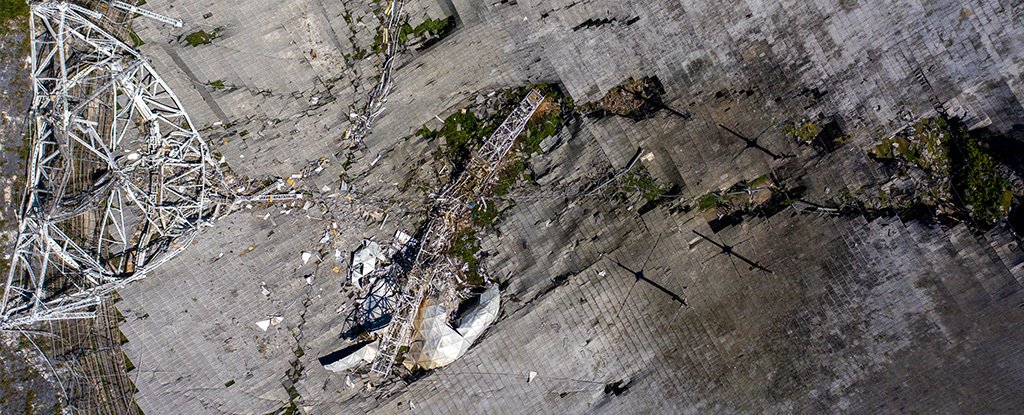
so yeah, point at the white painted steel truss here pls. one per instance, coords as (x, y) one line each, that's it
(119, 180)
(374, 106)
(431, 268)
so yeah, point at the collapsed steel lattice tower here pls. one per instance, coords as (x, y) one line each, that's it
(119, 180)
(451, 206)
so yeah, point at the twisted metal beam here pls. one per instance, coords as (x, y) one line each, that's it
(451, 207)
(374, 106)
(119, 180)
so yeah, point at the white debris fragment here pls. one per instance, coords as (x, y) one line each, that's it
(529, 378)
(134, 156)
(326, 238)
(648, 157)
(364, 354)
(436, 343)
(366, 260)
(276, 320)
(325, 189)
(374, 162)
(263, 324)
(264, 290)
(602, 273)
(306, 256)
(309, 279)
(402, 238)
(349, 383)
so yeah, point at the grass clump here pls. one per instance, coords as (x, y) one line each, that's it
(963, 178)
(924, 145)
(708, 201)
(201, 37)
(485, 216)
(509, 176)
(218, 84)
(541, 126)
(759, 182)
(645, 184)
(466, 247)
(13, 9)
(985, 194)
(804, 133)
(136, 40)
(128, 365)
(462, 132)
(430, 28)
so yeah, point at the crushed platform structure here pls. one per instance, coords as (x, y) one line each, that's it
(709, 211)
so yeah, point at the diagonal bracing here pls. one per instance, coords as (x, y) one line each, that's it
(119, 180)
(432, 271)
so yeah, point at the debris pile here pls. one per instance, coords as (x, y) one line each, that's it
(634, 98)
(940, 170)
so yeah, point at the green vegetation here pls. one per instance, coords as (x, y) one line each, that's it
(741, 196)
(428, 29)
(804, 133)
(986, 195)
(218, 84)
(924, 145)
(759, 182)
(645, 184)
(400, 356)
(292, 375)
(201, 37)
(462, 132)
(13, 9)
(136, 40)
(708, 201)
(485, 216)
(509, 176)
(14, 12)
(128, 365)
(963, 176)
(542, 126)
(466, 247)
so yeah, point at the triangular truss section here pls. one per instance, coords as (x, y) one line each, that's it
(119, 179)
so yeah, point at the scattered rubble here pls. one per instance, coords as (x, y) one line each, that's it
(633, 98)
(941, 168)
